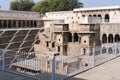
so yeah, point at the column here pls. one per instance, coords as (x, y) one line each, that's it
(2, 24)
(72, 37)
(17, 24)
(7, 24)
(33, 24)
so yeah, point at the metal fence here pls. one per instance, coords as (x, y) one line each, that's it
(39, 66)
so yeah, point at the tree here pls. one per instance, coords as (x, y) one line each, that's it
(21, 5)
(56, 5)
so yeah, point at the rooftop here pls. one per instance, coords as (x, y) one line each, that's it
(97, 8)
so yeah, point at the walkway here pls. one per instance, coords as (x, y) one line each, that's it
(106, 71)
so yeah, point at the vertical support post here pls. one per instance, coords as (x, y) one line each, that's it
(3, 59)
(53, 68)
(93, 56)
(115, 53)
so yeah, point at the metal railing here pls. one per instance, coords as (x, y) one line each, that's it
(39, 66)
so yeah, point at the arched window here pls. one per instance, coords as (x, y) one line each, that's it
(75, 37)
(100, 17)
(90, 15)
(104, 38)
(94, 15)
(107, 18)
(70, 37)
(110, 38)
(117, 38)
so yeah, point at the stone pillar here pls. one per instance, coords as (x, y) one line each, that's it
(17, 24)
(26, 24)
(30, 24)
(21, 24)
(33, 24)
(12, 23)
(2, 23)
(7, 24)
(72, 37)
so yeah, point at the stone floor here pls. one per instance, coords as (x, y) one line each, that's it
(9, 76)
(106, 71)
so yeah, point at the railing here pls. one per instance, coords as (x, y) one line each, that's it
(37, 65)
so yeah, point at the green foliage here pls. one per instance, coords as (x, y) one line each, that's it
(56, 5)
(21, 5)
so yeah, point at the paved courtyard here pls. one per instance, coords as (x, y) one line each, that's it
(106, 71)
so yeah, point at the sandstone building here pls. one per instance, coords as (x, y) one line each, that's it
(64, 32)
(77, 31)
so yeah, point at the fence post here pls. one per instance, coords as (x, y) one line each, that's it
(3, 59)
(115, 50)
(93, 56)
(53, 68)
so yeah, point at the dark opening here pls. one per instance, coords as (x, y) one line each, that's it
(110, 38)
(107, 18)
(104, 38)
(75, 37)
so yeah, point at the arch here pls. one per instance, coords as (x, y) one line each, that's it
(99, 15)
(110, 38)
(90, 15)
(107, 18)
(75, 37)
(70, 37)
(104, 38)
(110, 50)
(94, 15)
(117, 38)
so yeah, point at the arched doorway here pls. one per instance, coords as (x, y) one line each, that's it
(110, 38)
(107, 18)
(104, 38)
(75, 37)
(69, 37)
(117, 38)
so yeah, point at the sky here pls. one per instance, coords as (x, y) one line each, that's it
(87, 3)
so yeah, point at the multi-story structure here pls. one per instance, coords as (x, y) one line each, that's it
(79, 30)
(66, 32)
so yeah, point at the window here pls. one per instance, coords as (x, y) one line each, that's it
(58, 48)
